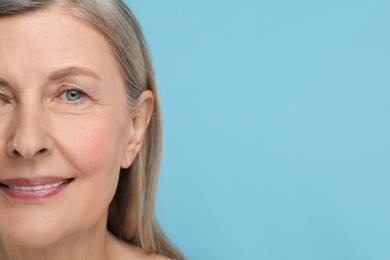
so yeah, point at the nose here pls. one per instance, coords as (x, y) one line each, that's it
(30, 137)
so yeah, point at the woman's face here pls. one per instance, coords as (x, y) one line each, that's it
(64, 128)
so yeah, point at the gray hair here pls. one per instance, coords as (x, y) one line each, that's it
(131, 213)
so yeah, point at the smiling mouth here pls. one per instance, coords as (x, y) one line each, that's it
(37, 187)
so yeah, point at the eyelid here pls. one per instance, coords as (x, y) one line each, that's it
(6, 104)
(3, 98)
(68, 102)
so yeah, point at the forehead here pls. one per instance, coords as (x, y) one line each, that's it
(50, 39)
(49, 25)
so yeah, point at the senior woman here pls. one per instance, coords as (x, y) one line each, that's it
(80, 133)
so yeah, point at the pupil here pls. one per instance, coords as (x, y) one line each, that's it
(73, 95)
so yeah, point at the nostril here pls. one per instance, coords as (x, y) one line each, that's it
(28, 153)
(15, 153)
(43, 150)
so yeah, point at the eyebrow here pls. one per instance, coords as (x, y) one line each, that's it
(71, 71)
(63, 73)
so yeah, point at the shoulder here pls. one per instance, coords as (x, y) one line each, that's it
(120, 250)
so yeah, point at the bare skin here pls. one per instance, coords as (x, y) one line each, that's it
(63, 114)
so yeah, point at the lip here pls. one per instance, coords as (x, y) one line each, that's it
(12, 187)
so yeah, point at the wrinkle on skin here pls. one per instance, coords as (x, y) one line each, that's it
(86, 141)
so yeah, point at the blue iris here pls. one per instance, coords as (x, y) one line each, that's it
(73, 95)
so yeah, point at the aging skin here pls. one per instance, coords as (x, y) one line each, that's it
(63, 121)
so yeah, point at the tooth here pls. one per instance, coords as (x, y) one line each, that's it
(39, 187)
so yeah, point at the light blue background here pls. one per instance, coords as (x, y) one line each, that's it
(276, 117)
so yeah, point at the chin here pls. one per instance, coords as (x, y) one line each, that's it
(31, 231)
(28, 237)
(39, 228)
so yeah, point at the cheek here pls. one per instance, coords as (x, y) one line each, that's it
(91, 147)
(92, 152)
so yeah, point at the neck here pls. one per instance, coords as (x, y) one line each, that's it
(88, 245)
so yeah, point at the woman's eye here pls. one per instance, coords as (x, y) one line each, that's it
(3, 100)
(72, 95)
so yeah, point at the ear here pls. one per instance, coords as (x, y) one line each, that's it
(139, 122)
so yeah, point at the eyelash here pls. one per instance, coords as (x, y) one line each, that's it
(69, 102)
(3, 99)
(82, 99)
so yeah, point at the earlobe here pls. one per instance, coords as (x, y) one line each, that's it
(128, 158)
(140, 118)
